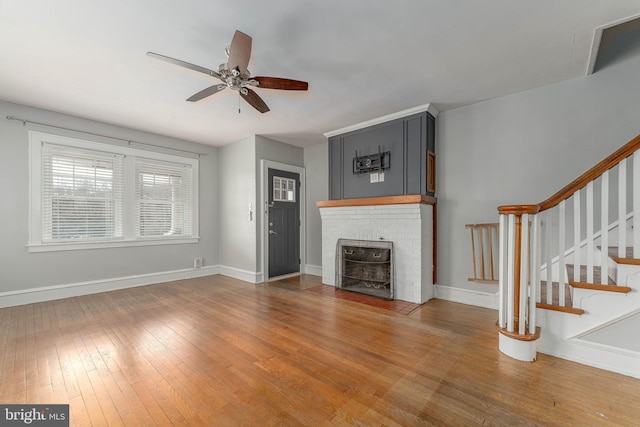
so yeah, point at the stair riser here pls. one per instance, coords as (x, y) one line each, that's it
(629, 275)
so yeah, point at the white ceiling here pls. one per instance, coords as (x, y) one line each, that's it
(363, 59)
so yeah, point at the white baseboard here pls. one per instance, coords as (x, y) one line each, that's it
(244, 275)
(48, 293)
(600, 356)
(466, 296)
(315, 270)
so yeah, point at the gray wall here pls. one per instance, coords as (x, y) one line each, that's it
(240, 180)
(238, 189)
(316, 163)
(20, 270)
(523, 148)
(269, 149)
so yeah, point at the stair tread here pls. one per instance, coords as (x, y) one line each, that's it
(571, 310)
(598, 287)
(627, 261)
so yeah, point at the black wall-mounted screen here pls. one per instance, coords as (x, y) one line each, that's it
(372, 162)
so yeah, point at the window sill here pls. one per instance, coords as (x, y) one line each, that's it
(73, 246)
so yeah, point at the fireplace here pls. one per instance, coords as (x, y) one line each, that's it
(407, 221)
(365, 266)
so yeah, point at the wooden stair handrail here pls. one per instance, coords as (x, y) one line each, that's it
(578, 184)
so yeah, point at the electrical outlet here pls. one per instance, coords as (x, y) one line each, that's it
(381, 177)
(373, 177)
(197, 263)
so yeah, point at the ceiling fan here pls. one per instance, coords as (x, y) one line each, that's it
(234, 74)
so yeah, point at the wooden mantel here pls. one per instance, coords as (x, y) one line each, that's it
(377, 201)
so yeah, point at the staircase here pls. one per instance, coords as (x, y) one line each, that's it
(550, 298)
(569, 273)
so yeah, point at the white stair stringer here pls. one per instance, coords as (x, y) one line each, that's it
(562, 334)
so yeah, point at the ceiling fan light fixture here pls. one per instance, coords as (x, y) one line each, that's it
(236, 76)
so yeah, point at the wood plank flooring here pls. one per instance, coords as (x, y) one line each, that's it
(218, 351)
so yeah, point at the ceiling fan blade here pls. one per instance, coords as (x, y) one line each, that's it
(239, 52)
(206, 92)
(254, 100)
(183, 64)
(282, 84)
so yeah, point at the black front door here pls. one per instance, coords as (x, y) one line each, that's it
(284, 222)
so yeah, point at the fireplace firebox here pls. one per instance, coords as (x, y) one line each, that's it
(365, 266)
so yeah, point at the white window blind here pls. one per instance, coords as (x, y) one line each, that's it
(81, 194)
(163, 198)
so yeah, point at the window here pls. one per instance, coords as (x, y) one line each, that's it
(86, 194)
(82, 193)
(284, 189)
(163, 199)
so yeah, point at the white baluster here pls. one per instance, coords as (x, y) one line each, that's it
(604, 229)
(590, 245)
(548, 248)
(502, 271)
(636, 206)
(511, 249)
(524, 275)
(622, 209)
(535, 273)
(561, 260)
(577, 210)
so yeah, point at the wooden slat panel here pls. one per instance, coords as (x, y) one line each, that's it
(484, 238)
(481, 242)
(473, 252)
(491, 233)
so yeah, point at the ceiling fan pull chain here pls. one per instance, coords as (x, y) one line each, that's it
(238, 102)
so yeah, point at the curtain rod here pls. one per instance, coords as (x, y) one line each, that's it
(128, 141)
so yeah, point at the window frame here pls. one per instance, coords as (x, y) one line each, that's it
(35, 238)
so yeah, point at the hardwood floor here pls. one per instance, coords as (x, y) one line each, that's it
(217, 351)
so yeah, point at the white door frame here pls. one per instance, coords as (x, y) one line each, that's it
(265, 165)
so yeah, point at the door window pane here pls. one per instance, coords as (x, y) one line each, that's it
(284, 189)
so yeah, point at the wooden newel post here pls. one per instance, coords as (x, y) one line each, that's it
(518, 281)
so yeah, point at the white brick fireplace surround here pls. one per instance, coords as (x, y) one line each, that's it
(407, 221)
